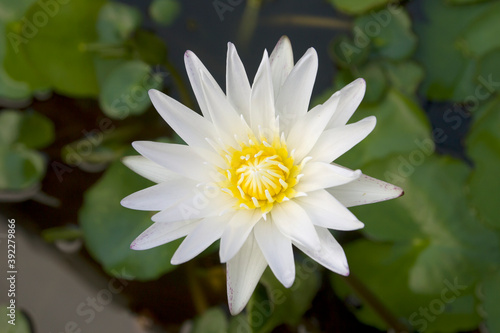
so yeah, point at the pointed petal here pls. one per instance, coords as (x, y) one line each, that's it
(243, 273)
(193, 67)
(331, 255)
(190, 126)
(148, 169)
(281, 61)
(326, 211)
(180, 159)
(305, 132)
(319, 175)
(277, 250)
(365, 190)
(333, 143)
(162, 233)
(195, 205)
(295, 94)
(237, 231)
(237, 86)
(350, 98)
(159, 196)
(206, 232)
(293, 222)
(262, 99)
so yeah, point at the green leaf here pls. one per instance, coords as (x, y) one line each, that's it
(51, 235)
(164, 12)
(36, 131)
(490, 292)
(10, 121)
(211, 321)
(275, 305)
(356, 7)
(483, 146)
(449, 74)
(125, 90)
(405, 76)
(61, 49)
(20, 167)
(21, 322)
(117, 22)
(401, 128)
(383, 269)
(149, 47)
(345, 53)
(389, 31)
(109, 228)
(488, 67)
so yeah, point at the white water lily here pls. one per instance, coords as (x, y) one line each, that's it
(256, 172)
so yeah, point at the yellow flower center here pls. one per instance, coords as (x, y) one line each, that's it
(260, 174)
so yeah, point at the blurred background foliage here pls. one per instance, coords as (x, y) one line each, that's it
(74, 77)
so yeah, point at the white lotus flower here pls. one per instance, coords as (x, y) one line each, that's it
(256, 172)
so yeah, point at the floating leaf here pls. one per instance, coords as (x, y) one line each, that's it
(405, 76)
(356, 7)
(345, 53)
(117, 21)
(211, 321)
(109, 228)
(36, 131)
(149, 47)
(164, 12)
(490, 291)
(20, 167)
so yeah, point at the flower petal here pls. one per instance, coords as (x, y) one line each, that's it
(277, 250)
(194, 67)
(305, 132)
(336, 141)
(262, 100)
(238, 88)
(181, 159)
(281, 61)
(236, 232)
(243, 273)
(326, 211)
(350, 98)
(190, 126)
(319, 175)
(365, 190)
(161, 233)
(293, 222)
(295, 94)
(206, 232)
(159, 196)
(331, 255)
(148, 169)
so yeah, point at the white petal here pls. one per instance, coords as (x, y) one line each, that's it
(237, 231)
(226, 120)
(306, 131)
(180, 159)
(350, 98)
(281, 61)
(295, 94)
(262, 100)
(148, 169)
(206, 232)
(365, 190)
(195, 205)
(293, 222)
(326, 211)
(161, 233)
(193, 67)
(277, 250)
(237, 86)
(336, 141)
(159, 196)
(243, 273)
(319, 175)
(331, 255)
(190, 126)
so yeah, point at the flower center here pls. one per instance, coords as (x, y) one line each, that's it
(260, 174)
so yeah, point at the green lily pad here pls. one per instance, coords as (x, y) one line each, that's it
(125, 90)
(149, 47)
(211, 321)
(356, 7)
(345, 53)
(384, 270)
(20, 167)
(274, 304)
(31, 129)
(405, 76)
(117, 21)
(490, 291)
(165, 12)
(109, 228)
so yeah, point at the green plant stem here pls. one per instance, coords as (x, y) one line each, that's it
(197, 294)
(371, 299)
(249, 21)
(180, 84)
